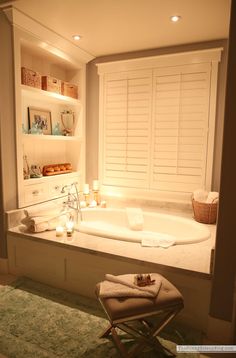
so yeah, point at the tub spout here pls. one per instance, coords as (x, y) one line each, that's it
(73, 199)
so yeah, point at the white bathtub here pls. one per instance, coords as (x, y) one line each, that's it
(113, 224)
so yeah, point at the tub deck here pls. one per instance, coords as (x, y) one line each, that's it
(77, 265)
(193, 258)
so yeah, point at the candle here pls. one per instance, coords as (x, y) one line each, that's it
(95, 185)
(86, 189)
(83, 204)
(59, 231)
(103, 204)
(93, 204)
(69, 228)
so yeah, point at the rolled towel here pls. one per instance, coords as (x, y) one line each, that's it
(37, 224)
(135, 218)
(200, 195)
(48, 210)
(123, 286)
(213, 197)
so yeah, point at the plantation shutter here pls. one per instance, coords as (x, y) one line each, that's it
(126, 128)
(180, 127)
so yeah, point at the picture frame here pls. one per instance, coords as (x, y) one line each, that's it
(40, 121)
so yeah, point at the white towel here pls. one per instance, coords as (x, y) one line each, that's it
(123, 286)
(135, 218)
(40, 224)
(48, 210)
(200, 195)
(157, 240)
(212, 197)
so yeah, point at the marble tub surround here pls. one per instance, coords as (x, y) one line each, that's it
(182, 208)
(194, 258)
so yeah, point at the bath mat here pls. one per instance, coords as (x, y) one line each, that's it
(38, 321)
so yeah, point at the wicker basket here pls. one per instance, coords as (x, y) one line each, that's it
(69, 89)
(51, 84)
(30, 78)
(205, 213)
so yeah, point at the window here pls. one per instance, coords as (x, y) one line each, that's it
(157, 123)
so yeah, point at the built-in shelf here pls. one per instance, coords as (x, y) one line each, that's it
(32, 92)
(44, 149)
(40, 137)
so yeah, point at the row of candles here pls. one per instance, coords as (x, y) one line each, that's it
(95, 187)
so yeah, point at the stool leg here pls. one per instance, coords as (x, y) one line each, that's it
(152, 336)
(118, 343)
(106, 332)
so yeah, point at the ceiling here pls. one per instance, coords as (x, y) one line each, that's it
(117, 26)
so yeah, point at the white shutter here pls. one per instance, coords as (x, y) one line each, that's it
(126, 128)
(180, 127)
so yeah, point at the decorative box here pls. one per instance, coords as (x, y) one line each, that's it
(69, 89)
(51, 84)
(30, 78)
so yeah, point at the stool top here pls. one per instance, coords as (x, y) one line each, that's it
(121, 308)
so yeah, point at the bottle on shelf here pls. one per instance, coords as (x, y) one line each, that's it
(26, 171)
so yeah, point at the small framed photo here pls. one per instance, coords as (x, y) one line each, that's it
(39, 120)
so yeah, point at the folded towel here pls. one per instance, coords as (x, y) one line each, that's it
(157, 240)
(123, 286)
(37, 224)
(43, 210)
(135, 218)
(212, 197)
(200, 195)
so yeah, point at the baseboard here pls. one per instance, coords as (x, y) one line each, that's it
(3, 266)
(219, 331)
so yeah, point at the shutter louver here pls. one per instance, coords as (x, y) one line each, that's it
(127, 119)
(180, 125)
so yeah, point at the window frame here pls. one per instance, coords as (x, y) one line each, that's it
(210, 56)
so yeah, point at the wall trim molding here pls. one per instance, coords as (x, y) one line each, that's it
(171, 59)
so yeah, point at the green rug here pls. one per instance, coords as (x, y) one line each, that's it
(38, 321)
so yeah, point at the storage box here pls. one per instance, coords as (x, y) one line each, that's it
(30, 78)
(69, 89)
(51, 84)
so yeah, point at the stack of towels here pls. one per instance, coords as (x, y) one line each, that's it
(124, 286)
(203, 196)
(45, 217)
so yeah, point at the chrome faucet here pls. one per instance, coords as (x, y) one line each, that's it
(73, 198)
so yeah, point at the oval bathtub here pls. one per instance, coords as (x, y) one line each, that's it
(113, 223)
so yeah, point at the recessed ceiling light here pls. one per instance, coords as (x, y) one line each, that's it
(175, 18)
(76, 37)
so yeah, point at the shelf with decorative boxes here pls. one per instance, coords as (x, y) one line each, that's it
(48, 96)
(50, 126)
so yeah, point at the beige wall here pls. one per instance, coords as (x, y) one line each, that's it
(93, 105)
(222, 299)
(8, 194)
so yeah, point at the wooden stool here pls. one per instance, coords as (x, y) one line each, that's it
(125, 312)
